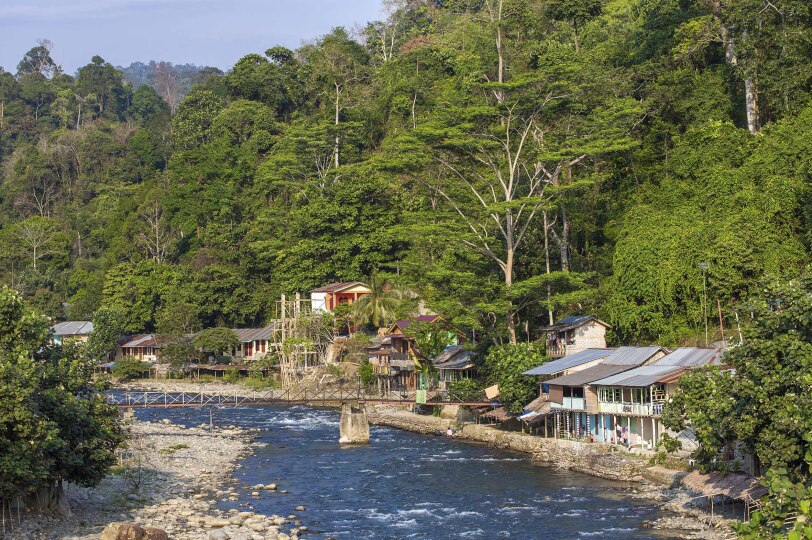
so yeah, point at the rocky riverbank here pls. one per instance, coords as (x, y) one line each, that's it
(171, 478)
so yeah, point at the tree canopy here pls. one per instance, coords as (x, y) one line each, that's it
(54, 424)
(510, 162)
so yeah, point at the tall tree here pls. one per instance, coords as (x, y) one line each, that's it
(338, 67)
(38, 60)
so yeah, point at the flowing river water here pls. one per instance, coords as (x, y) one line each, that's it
(405, 485)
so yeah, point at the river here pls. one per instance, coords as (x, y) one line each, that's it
(405, 485)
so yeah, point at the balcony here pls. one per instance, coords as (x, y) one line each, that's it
(633, 409)
(570, 403)
(556, 351)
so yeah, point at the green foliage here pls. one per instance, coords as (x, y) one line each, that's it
(366, 373)
(429, 340)
(786, 500)
(764, 404)
(129, 368)
(466, 390)
(108, 327)
(217, 340)
(381, 306)
(504, 366)
(193, 120)
(745, 231)
(54, 424)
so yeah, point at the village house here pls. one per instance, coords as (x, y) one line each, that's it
(454, 364)
(255, 343)
(574, 334)
(634, 399)
(328, 297)
(144, 347)
(392, 360)
(536, 412)
(575, 402)
(71, 331)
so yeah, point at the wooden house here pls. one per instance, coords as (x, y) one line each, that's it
(71, 331)
(634, 399)
(574, 334)
(328, 297)
(454, 364)
(392, 360)
(575, 402)
(144, 347)
(255, 343)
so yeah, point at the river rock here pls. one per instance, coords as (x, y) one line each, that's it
(270, 487)
(219, 534)
(131, 531)
(299, 508)
(216, 523)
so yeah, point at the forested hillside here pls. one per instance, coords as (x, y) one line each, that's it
(509, 160)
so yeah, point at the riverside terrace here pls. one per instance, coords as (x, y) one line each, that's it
(612, 395)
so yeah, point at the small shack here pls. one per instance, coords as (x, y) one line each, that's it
(574, 334)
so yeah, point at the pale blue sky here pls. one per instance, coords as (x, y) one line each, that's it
(203, 32)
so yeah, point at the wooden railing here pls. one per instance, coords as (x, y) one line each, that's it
(635, 409)
(556, 351)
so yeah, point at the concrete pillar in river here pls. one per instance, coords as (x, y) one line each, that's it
(354, 426)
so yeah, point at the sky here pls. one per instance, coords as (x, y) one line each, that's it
(203, 32)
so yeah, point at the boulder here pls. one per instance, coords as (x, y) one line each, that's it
(216, 523)
(131, 531)
(219, 534)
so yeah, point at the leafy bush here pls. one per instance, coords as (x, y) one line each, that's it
(504, 365)
(466, 390)
(130, 368)
(257, 383)
(231, 376)
(54, 425)
(366, 373)
(217, 340)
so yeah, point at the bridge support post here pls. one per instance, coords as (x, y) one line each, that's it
(354, 425)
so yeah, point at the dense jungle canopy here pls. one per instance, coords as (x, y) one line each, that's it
(511, 161)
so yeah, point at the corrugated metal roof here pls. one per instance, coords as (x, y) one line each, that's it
(691, 357)
(572, 321)
(632, 356)
(404, 324)
(254, 334)
(642, 376)
(673, 377)
(139, 340)
(72, 328)
(448, 353)
(569, 361)
(465, 360)
(586, 376)
(337, 287)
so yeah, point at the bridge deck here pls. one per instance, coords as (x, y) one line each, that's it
(149, 399)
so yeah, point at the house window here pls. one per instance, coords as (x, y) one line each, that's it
(640, 395)
(610, 394)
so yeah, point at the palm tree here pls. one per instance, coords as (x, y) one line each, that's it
(380, 306)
